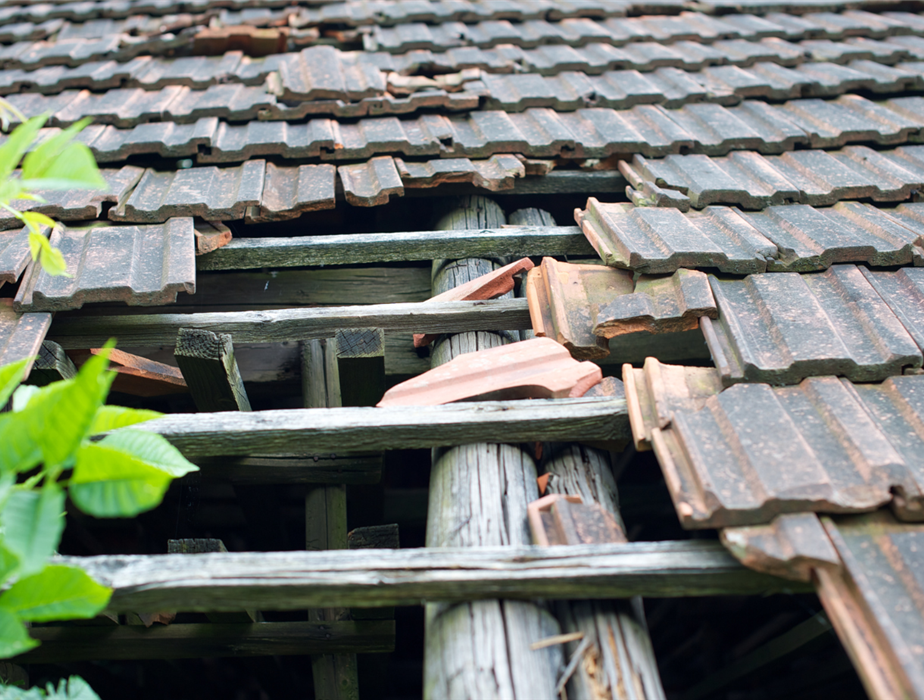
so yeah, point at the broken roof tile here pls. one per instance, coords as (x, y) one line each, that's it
(659, 304)
(14, 254)
(539, 369)
(495, 173)
(562, 298)
(582, 306)
(21, 335)
(782, 327)
(791, 546)
(754, 452)
(488, 286)
(215, 194)
(371, 183)
(874, 600)
(656, 390)
(289, 191)
(140, 265)
(652, 240)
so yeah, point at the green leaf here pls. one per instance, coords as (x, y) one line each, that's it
(109, 483)
(59, 157)
(56, 593)
(151, 448)
(50, 258)
(23, 395)
(10, 377)
(59, 416)
(19, 452)
(36, 219)
(9, 563)
(32, 525)
(111, 417)
(18, 142)
(75, 688)
(13, 636)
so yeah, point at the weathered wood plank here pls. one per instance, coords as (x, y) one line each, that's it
(193, 641)
(403, 427)
(335, 676)
(355, 249)
(385, 577)
(292, 469)
(294, 324)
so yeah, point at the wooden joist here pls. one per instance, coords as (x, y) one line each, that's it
(63, 644)
(356, 249)
(401, 427)
(280, 325)
(386, 577)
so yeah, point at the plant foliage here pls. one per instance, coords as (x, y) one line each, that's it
(57, 162)
(51, 447)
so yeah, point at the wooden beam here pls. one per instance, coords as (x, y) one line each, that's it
(205, 545)
(401, 427)
(335, 676)
(360, 365)
(192, 641)
(478, 497)
(356, 249)
(207, 362)
(301, 469)
(51, 365)
(385, 577)
(294, 324)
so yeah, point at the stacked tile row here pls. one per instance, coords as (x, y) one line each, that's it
(650, 130)
(367, 95)
(752, 181)
(793, 237)
(257, 191)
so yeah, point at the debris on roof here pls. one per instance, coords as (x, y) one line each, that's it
(531, 369)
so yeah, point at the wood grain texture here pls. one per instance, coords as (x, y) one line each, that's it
(479, 239)
(319, 468)
(405, 427)
(279, 325)
(478, 497)
(193, 641)
(620, 661)
(207, 362)
(384, 577)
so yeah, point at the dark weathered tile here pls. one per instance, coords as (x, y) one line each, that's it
(21, 335)
(290, 191)
(215, 194)
(140, 265)
(754, 452)
(371, 183)
(652, 240)
(782, 327)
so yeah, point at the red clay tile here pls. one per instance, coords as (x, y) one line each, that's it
(489, 286)
(532, 369)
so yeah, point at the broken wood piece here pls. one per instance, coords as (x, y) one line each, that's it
(557, 519)
(138, 376)
(208, 366)
(489, 286)
(539, 368)
(791, 546)
(211, 235)
(51, 365)
(557, 639)
(161, 618)
(658, 305)
(656, 391)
